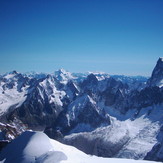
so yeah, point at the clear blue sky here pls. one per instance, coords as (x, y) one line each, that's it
(113, 36)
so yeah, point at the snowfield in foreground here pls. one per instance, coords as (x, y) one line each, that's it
(36, 147)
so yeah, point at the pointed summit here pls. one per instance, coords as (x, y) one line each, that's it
(11, 75)
(63, 75)
(157, 74)
(160, 63)
(62, 71)
(161, 59)
(14, 72)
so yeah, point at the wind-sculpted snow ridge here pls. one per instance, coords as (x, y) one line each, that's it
(36, 147)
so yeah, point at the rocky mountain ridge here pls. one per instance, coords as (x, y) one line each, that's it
(76, 109)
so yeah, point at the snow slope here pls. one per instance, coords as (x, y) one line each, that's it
(36, 147)
(131, 139)
(12, 92)
(11, 98)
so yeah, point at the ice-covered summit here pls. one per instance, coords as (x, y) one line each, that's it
(63, 75)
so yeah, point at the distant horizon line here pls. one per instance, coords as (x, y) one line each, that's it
(84, 73)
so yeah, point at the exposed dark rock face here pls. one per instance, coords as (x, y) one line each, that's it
(82, 111)
(157, 74)
(40, 108)
(3, 144)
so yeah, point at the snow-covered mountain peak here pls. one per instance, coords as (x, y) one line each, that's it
(13, 72)
(100, 75)
(11, 75)
(161, 59)
(63, 76)
(62, 71)
(92, 77)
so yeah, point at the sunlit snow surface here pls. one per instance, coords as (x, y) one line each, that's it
(36, 147)
(11, 97)
(127, 138)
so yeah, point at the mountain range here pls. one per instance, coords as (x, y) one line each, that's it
(100, 114)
